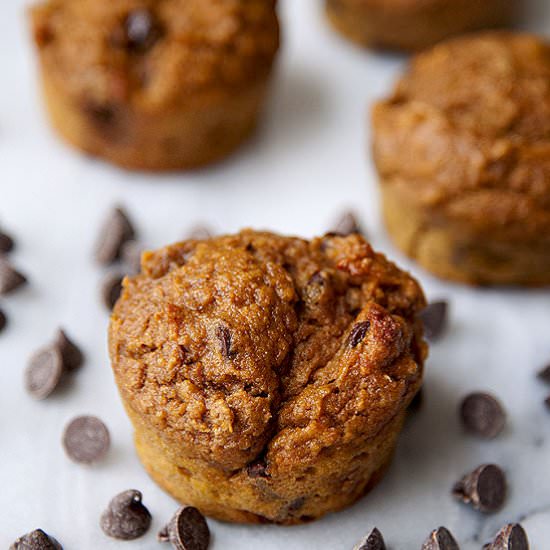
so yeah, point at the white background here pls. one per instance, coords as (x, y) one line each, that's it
(307, 163)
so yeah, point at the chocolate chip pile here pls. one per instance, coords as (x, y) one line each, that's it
(86, 439)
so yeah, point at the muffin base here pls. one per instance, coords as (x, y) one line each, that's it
(453, 252)
(204, 130)
(415, 27)
(236, 497)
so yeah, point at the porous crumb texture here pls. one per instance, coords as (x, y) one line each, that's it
(155, 84)
(463, 151)
(415, 24)
(267, 377)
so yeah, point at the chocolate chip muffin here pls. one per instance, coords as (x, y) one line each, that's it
(414, 24)
(267, 377)
(463, 152)
(155, 84)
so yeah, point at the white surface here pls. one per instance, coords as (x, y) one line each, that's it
(306, 164)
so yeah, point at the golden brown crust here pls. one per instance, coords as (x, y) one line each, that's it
(265, 366)
(463, 149)
(414, 24)
(155, 84)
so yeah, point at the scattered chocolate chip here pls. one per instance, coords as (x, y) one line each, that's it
(484, 488)
(440, 539)
(6, 243)
(373, 541)
(130, 254)
(510, 537)
(111, 288)
(358, 333)
(435, 319)
(547, 402)
(3, 320)
(126, 518)
(257, 468)
(346, 225)
(544, 374)
(36, 540)
(142, 30)
(187, 530)
(224, 336)
(202, 232)
(10, 278)
(483, 415)
(86, 439)
(44, 372)
(70, 352)
(115, 231)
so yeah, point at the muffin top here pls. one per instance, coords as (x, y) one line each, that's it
(467, 132)
(258, 347)
(155, 52)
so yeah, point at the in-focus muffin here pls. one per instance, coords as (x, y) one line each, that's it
(267, 377)
(156, 84)
(414, 24)
(463, 152)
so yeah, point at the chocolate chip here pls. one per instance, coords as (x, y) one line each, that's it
(126, 518)
(70, 352)
(373, 541)
(10, 278)
(187, 530)
(130, 254)
(224, 336)
(435, 319)
(547, 402)
(358, 333)
(86, 439)
(36, 540)
(142, 30)
(44, 372)
(510, 537)
(544, 374)
(6, 243)
(3, 320)
(115, 231)
(257, 468)
(482, 415)
(202, 232)
(440, 539)
(111, 288)
(102, 116)
(346, 225)
(484, 488)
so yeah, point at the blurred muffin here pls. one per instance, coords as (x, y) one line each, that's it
(414, 24)
(155, 85)
(463, 152)
(267, 377)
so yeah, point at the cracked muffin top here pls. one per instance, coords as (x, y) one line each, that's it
(153, 52)
(467, 132)
(254, 344)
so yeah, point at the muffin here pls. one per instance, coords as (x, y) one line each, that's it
(462, 148)
(155, 85)
(267, 377)
(414, 24)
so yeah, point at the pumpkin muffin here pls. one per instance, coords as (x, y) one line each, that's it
(267, 377)
(155, 84)
(463, 152)
(414, 24)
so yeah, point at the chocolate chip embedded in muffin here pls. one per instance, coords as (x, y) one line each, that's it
(414, 24)
(253, 397)
(156, 85)
(462, 151)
